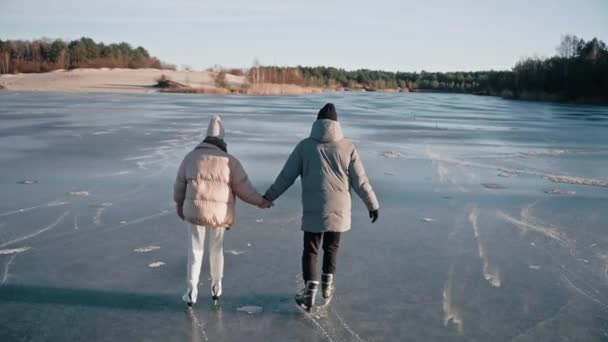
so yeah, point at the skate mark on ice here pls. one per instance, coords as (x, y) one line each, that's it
(583, 293)
(29, 236)
(490, 272)
(197, 325)
(6, 268)
(348, 328)
(528, 222)
(316, 323)
(442, 170)
(23, 210)
(97, 217)
(138, 220)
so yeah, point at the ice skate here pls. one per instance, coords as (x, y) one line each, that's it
(306, 298)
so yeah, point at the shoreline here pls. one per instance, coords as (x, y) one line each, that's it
(144, 81)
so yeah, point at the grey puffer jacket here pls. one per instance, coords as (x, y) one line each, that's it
(329, 166)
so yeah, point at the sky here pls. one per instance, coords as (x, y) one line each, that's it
(431, 35)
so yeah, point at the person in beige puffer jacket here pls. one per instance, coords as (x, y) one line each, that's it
(207, 182)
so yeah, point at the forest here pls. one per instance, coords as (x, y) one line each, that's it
(43, 55)
(579, 71)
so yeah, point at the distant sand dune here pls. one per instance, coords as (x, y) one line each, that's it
(119, 80)
(102, 80)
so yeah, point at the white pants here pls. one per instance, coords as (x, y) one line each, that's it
(195, 257)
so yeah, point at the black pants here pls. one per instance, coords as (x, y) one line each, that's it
(331, 243)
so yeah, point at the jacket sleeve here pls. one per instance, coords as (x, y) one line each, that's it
(360, 182)
(181, 183)
(241, 186)
(290, 172)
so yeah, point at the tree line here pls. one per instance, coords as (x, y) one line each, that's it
(578, 72)
(44, 55)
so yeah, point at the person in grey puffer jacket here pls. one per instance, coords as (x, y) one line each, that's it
(329, 167)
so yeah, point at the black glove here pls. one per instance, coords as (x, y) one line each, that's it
(373, 214)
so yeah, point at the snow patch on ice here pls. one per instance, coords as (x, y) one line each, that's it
(259, 220)
(493, 186)
(508, 173)
(146, 249)
(577, 180)
(556, 191)
(56, 203)
(490, 272)
(14, 250)
(119, 173)
(542, 153)
(156, 264)
(235, 252)
(79, 193)
(427, 219)
(250, 309)
(392, 154)
(534, 267)
(450, 313)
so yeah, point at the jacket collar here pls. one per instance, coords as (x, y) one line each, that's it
(325, 131)
(206, 145)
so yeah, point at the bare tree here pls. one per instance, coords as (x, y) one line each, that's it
(569, 46)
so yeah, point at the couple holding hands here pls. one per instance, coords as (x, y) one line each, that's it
(209, 178)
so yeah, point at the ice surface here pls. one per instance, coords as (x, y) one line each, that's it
(448, 260)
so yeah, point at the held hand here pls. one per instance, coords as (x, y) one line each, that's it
(373, 214)
(265, 204)
(180, 212)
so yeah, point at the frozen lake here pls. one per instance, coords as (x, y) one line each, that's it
(492, 223)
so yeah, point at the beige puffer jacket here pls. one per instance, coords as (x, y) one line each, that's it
(207, 181)
(329, 167)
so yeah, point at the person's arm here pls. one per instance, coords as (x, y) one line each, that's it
(360, 183)
(288, 175)
(241, 186)
(179, 189)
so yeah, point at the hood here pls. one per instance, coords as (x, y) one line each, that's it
(326, 130)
